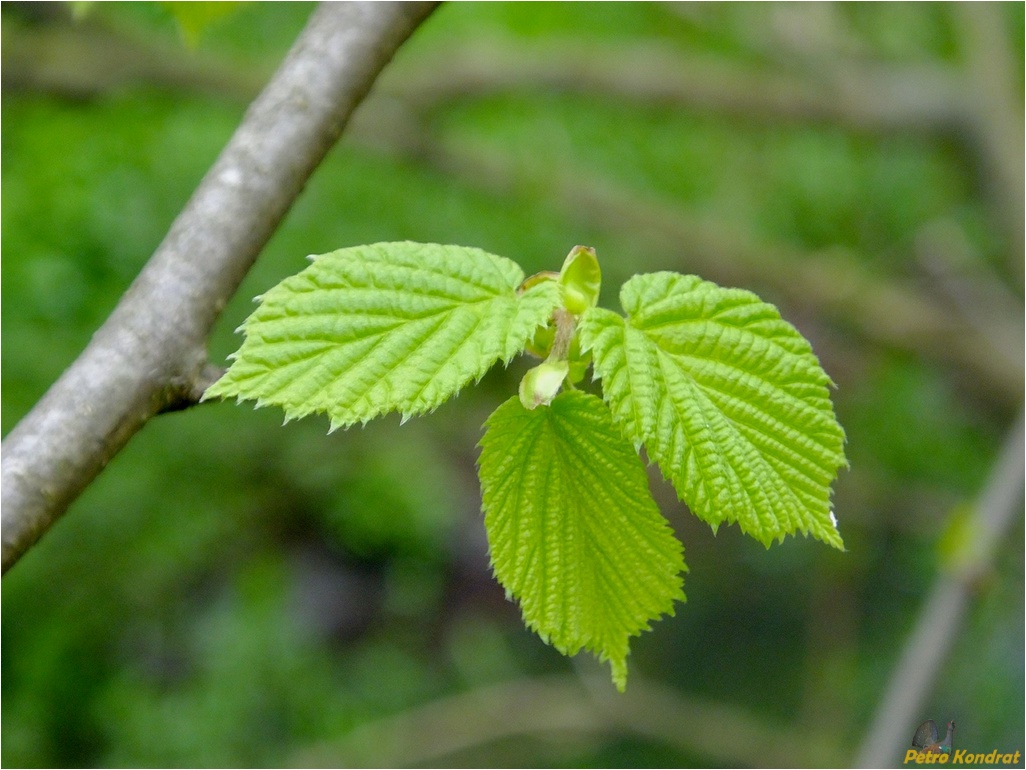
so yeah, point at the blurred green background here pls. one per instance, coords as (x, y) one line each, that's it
(231, 592)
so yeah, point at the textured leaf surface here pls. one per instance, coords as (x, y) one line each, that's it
(727, 398)
(574, 533)
(386, 327)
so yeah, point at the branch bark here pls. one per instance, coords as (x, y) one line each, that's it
(150, 355)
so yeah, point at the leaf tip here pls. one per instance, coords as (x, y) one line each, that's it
(835, 539)
(619, 673)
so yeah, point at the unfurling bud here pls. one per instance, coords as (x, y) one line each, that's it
(541, 384)
(581, 279)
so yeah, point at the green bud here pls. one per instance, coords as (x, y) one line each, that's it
(541, 384)
(580, 279)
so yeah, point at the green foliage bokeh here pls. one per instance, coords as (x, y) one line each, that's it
(231, 592)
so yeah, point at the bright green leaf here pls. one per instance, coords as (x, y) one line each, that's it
(388, 327)
(727, 398)
(574, 533)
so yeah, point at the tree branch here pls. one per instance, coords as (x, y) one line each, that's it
(855, 94)
(150, 355)
(998, 123)
(426, 735)
(940, 619)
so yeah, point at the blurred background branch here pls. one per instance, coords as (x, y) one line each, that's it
(556, 709)
(970, 561)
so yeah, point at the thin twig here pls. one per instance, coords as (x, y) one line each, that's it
(858, 95)
(427, 734)
(941, 616)
(997, 116)
(972, 286)
(151, 353)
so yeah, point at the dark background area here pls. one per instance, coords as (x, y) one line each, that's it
(233, 592)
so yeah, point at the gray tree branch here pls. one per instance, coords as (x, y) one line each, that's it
(940, 619)
(150, 355)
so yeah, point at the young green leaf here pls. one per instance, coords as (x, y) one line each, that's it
(573, 531)
(728, 399)
(387, 327)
